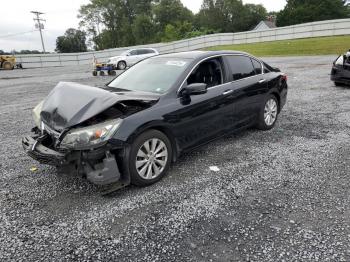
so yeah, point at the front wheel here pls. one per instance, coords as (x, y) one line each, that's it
(150, 158)
(121, 65)
(268, 113)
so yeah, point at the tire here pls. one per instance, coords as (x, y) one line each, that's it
(146, 169)
(102, 73)
(94, 73)
(338, 84)
(121, 65)
(268, 114)
(111, 73)
(7, 66)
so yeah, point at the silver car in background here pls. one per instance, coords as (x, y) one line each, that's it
(131, 57)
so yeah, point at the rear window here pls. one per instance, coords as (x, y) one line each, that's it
(257, 67)
(339, 60)
(241, 67)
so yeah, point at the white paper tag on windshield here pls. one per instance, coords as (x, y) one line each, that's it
(176, 63)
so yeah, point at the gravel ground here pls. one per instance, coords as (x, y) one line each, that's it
(281, 195)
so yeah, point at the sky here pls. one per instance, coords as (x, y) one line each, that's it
(17, 29)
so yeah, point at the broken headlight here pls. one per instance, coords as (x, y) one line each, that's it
(89, 136)
(36, 114)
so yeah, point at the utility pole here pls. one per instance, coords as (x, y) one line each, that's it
(39, 26)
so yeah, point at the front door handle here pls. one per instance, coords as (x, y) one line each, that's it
(227, 92)
(262, 81)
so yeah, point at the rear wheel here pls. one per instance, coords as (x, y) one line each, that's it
(150, 158)
(111, 73)
(121, 65)
(94, 73)
(7, 66)
(268, 113)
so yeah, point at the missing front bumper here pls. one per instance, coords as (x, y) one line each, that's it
(41, 153)
(100, 166)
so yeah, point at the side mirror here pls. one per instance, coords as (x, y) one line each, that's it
(195, 89)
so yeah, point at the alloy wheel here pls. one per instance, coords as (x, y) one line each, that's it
(122, 65)
(270, 112)
(151, 158)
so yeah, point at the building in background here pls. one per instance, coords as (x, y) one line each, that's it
(269, 23)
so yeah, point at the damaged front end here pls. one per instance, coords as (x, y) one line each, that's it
(341, 70)
(74, 130)
(98, 163)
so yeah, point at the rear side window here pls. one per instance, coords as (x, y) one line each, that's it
(241, 67)
(141, 51)
(257, 67)
(149, 51)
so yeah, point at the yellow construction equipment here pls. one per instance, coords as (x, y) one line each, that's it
(7, 62)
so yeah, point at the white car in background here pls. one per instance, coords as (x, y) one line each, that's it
(131, 57)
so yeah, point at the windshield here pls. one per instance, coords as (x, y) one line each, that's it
(155, 75)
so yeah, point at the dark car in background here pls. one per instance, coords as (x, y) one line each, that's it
(340, 73)
(133, 128)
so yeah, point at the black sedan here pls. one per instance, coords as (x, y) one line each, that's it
(340, 73)
(133, 128)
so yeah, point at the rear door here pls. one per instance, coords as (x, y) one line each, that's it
(142, 54)
(249, 87)
(133, 57)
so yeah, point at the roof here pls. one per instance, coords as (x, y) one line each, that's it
(197, 54)
(268, 24)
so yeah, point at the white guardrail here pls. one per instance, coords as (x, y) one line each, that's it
(315, 29)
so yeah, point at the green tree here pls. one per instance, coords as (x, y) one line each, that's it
(109, 23)
(72, 41)
(303, 11)
(169, 12)
(144, 29)
(229, 15)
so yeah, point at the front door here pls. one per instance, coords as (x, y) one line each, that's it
(204, 117)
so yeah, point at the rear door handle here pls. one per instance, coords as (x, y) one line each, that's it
(227, 92)
(262, 81)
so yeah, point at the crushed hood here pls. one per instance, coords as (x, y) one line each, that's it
(69, 104)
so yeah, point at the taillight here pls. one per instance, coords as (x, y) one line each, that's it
(284, 77)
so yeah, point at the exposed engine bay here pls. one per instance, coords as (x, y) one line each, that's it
(120, 110)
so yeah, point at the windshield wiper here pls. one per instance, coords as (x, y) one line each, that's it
(117, 89)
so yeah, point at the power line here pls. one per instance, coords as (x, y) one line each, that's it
(40, 26)
(10, 35)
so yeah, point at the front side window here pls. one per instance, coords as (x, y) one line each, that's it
(156, 75)
(241, 67)
(209, 72)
